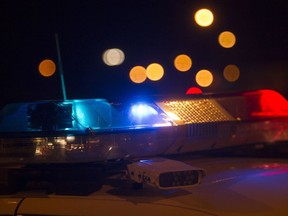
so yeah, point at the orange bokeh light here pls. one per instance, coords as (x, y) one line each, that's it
(183, 63)
(138, 74)
(227, 39)
(155, 72)
(231, 73)
(47, 68)
(204, 78)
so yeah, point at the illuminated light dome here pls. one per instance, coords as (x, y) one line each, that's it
(183, 63)
(138, 74)
(204, 17)
(204, 78)
(227, 39)
(154, 71)
(271, 103)
(142, 114)
(194, 90)
(231, 73)
(47, 68)
(113, 57)
(140, 110)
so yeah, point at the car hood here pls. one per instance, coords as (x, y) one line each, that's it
(232, 186)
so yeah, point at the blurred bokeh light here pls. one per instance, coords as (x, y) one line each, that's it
(204, 17)
(194, 90)
(154, 71)
(231, 73)
(227, 39)
(47, 68)
(204, 78)
(138, 74)
(183, 63)
(113, 57)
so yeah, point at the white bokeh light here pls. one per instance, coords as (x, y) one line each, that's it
(113, 57)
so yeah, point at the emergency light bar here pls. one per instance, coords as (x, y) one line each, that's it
(92, 130)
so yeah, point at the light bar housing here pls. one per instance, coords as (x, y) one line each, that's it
(93, 130)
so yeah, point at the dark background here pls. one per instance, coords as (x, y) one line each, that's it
(147, 31)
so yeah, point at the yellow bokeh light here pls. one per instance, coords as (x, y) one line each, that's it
(183, 63)
(47, 68)
(154, 71)
(231, 73)
(113, 57)
(227, 39)
(138, 74)
(204, 78)
(204, 17)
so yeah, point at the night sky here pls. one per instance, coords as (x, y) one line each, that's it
(147, 31)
